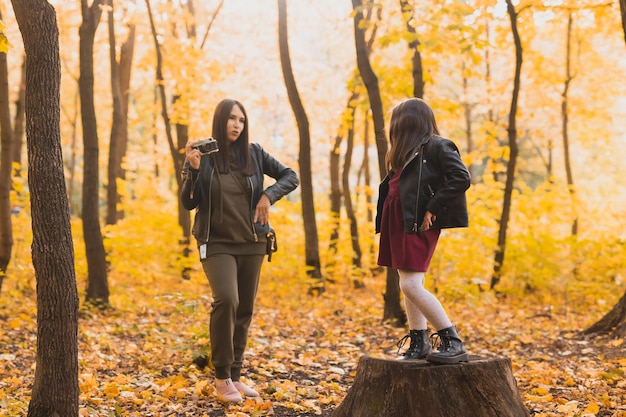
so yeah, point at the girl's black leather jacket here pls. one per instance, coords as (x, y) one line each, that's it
(196, 189)
(442, 183)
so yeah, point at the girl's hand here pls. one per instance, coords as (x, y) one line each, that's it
(429, 219)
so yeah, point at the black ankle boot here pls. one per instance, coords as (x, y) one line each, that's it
(450, 350)
(418, 348)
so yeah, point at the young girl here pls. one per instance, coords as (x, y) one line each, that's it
(423, 193)
(231, 223)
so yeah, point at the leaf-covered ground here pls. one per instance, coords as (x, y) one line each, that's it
(137, 358)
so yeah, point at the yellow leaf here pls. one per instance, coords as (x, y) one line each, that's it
(591, 410)
(570, 407)
(4, 43)
(201, 386)
(111, 390)
(87, 383)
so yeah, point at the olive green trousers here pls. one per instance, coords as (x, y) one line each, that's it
(234, 280)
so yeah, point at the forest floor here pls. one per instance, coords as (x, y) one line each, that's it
(137, 358)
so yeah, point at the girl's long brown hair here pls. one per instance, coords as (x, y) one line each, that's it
(412, 123)
(240, 149)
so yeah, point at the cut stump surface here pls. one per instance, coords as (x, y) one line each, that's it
(391, 388)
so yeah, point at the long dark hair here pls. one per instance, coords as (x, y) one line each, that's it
(412, 123)
(239, 150)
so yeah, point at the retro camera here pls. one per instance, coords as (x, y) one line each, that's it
(206, 146)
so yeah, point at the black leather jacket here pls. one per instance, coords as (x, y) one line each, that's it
(442, 184)
(196, 189)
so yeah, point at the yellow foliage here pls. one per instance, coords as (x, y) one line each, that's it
(5, 45)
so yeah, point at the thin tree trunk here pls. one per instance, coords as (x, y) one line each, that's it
(182, 135)
(177, 157)
(178, 166)
(565, 120)
(335, 155)
(467, 107)
(18, 124)
(73, 158)
(127, 52)
(513, 152)
(210, 24)
(117, 126)
(97, 285)
(335, 199)
(335, 183)
(155, 137)
(371, 83)
(347, 202)
(364, 170)
(312, 255)
(120, 87)
(55, 389)
(393, 310)
(6, 169)
(416, 60)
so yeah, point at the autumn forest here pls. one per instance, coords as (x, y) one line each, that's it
(104, 305)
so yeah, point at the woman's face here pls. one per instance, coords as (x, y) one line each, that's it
(236, 123)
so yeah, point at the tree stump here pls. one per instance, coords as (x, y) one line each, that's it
(391, 388)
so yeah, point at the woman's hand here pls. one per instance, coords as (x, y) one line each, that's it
(429, 219)
(193, 155)
(262, 211)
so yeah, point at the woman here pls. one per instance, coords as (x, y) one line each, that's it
(423, 193)
(230, 226)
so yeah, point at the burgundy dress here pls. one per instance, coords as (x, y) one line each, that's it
(398, 249)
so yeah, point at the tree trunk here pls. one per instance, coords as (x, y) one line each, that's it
(371, 84)
(312, 255)
(176, 161)
(368, 195)
(181, 128)
(117, 126)
(18, 125)
(565, 125)
(392, 294)
(73, 162)
(335, 185)
(97, 285)
(364, 170)
(392, 311)
(182, 136)
(613, 321)
(335, 202)
(391, 388)
(184, 216)
(347, 202)
(414, 43)
(467, 112)
(335, 199)
(55, 389)
(513, 152)
(6, 169)
(120, 85)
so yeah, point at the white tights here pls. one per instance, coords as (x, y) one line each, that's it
(420, 304)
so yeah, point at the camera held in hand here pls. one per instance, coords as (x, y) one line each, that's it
(206, 146)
